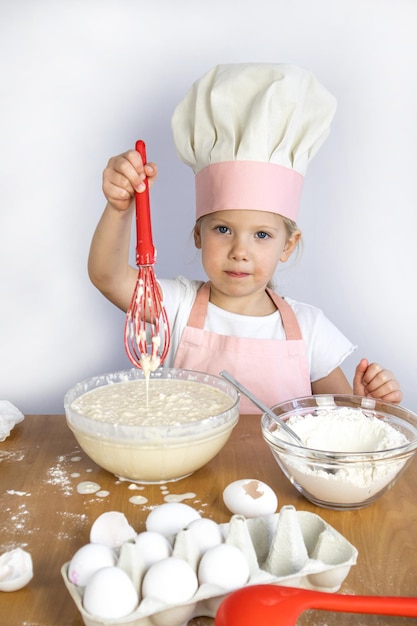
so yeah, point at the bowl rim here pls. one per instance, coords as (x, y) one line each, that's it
(364, 403)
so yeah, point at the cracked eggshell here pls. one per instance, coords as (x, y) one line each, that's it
(111, 529)
(9, 417)
(87, 560)
(250, 497)
(16, 569)
(169, 518)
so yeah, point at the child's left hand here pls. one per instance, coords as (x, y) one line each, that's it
(373, 380)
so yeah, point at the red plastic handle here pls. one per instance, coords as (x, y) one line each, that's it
(145, 250)
(270, 605)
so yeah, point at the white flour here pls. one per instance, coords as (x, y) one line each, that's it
(345, 430)
(58, 476)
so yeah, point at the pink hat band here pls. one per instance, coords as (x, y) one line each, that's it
(251, 185)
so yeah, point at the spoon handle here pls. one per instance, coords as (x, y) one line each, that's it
(260, 405)
(271, 605)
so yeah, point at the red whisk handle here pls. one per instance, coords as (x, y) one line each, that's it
(145, 250)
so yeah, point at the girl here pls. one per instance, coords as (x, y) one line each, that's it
(237, 125)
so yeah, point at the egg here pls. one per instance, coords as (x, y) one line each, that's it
(250, 497)
(224, 566)
(153, 547)
(111, 529)
(206, 534)
(169, 518)
(87, 560)
(110, 594)
(171, 580)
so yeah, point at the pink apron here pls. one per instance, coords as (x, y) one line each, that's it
(275, 370)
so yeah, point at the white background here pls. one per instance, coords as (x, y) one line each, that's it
(80, 80)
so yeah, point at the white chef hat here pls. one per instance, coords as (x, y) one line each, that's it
(248, 131)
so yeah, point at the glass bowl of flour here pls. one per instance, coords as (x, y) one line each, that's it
(354, 447)
(152, 429)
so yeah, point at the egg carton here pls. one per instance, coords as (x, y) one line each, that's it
(291, 548)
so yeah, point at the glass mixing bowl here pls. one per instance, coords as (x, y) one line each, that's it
(164, 448)
(343, 469)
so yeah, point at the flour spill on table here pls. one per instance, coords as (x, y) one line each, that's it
(62, 476)
(76, 517)
(20, 523)
(75, 483)
(71, 522)
(58, 476)
(16, 456)
(20, 518)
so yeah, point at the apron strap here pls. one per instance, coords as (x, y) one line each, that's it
(289, 319)
(199, 309)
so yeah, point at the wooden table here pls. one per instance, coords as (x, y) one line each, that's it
(42, 512)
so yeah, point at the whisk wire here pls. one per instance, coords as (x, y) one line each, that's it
(147, 329)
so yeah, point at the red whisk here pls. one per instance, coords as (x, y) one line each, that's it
(147, 332)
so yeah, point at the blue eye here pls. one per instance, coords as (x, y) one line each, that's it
(262, 235)
(222, 229)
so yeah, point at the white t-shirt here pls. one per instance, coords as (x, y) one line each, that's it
(326, 346)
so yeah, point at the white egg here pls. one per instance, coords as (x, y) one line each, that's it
(111, 529)
(171, 580)
(171, 517)
(225, 566)
(87, 560)
(250, 497)
(110, 594)
(153, 547)
(206, 534)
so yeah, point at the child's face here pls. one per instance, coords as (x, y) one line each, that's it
(241, 249)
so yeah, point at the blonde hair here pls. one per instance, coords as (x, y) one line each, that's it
(290, 225)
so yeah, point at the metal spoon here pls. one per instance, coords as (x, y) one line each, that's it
(261, 406)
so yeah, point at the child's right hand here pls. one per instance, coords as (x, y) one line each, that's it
(124, 176)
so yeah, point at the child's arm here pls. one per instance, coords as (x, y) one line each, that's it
(335, 383)
(108, 262)
(369, 380)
